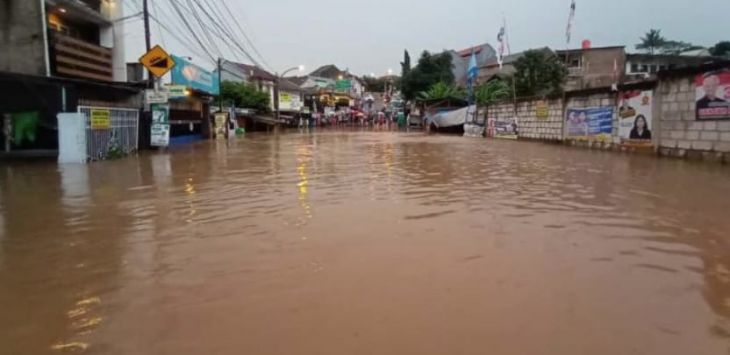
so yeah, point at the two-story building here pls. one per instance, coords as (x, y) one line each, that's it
(61, 56)
(491, 68)
(646, 66)
(593, 67)
(289, 94)
(65, 38)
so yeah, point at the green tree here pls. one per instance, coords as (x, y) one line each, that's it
(677, 47)
(721, 49)
(442, 90)
(244, 95)
(539, 74)
(405, 64)
(652, 41)
(489, 93)
(431, 69)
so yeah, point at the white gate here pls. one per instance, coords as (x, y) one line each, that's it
(121, 137)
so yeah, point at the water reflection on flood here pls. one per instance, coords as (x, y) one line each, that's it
(366, 243)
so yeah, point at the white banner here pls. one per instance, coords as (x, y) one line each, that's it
(634, 114)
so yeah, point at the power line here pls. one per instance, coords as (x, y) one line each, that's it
(227, 33)
(181, 41)
(221, 30)
(241, 31)
(159, 28)
(204, 28)
(187, 25)
(173, 32)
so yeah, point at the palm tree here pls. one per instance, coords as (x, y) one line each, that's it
(652, 41)
(441, 90)
(490, 93)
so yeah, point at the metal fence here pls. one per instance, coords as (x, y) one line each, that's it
(120, 139)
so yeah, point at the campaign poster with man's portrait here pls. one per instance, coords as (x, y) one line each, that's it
(713, 95)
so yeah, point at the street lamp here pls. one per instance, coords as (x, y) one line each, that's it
(300, 68)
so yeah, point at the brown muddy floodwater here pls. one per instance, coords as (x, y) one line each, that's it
(366, 243)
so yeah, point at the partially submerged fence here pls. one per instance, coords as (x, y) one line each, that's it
(110, 131)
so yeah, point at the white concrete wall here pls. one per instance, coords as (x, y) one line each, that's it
(113, 37)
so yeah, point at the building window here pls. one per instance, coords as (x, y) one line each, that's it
(634, 68)
(652, 69)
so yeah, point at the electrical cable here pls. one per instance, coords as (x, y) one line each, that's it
(228, 34)
(187, 25)
(204, 29)
(248, 39)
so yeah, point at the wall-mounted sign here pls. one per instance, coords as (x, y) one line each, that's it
(542, 110)
(160, 129)
(712, 92)
(590, 123)
(284, 97)
(100, 119)
(220, 125)
(155, 97)
(634, 115)
(193, 76)
(343, 85)
(176, 91)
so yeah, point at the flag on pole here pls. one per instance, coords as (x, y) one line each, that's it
(614, 86)
(503, 40)
(473, 68)
(472, 73)
(569, 30)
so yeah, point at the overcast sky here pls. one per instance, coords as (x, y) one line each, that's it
(370, 36)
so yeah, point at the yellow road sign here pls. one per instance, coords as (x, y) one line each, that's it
(157, 61)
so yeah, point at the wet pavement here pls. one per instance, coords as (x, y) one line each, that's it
(366, 243)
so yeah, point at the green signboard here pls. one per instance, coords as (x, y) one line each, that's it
(343, 85)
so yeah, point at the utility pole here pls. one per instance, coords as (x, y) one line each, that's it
(147, 37)
(277, 114)
(220, 94)
(220, 98)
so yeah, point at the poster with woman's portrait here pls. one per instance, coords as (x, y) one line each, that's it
(634, 115)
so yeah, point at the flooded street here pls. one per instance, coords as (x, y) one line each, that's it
(366, 243)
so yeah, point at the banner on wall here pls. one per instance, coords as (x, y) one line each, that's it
(712, 90)
(220, 124)
(542, 110)
(504, 128)
(160, 129)
(635, 115)
(590, 123)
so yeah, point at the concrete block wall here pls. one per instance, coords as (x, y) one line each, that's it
(22, 40)
(681, 134)
(532, 127)
(501, 111)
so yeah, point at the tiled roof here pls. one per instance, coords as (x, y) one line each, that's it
(255, 72)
